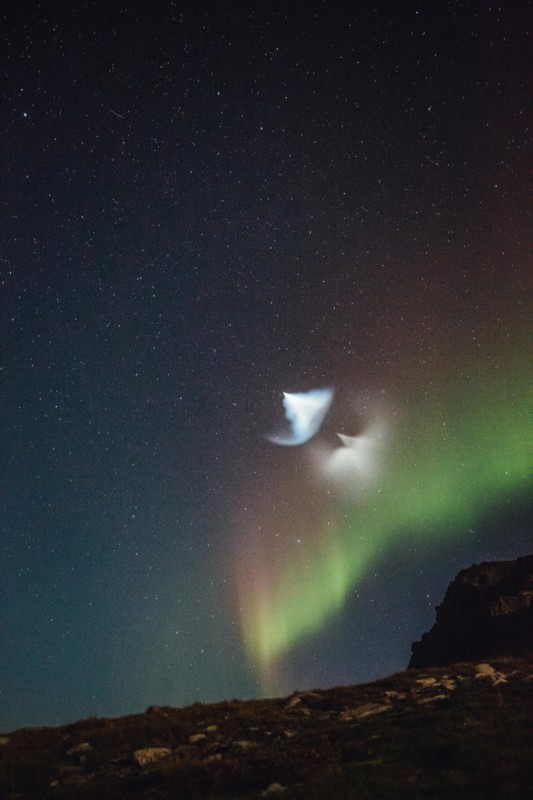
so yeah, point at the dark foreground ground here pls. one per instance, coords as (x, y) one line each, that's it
(464, 731)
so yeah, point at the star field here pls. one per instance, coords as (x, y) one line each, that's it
(204, 207)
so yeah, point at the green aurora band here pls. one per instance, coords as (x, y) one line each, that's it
(462, 450)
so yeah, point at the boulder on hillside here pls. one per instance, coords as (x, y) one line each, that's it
(487, 612)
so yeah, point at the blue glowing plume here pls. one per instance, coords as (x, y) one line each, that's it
(305, 412)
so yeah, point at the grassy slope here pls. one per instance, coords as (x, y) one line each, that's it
(461, 736)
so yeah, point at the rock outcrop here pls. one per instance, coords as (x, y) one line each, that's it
(487, 612)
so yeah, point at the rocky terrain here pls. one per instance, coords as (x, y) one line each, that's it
(460, 730)
(446, 733)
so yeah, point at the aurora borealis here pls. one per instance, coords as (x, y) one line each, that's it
(266, 311)
(458, 448)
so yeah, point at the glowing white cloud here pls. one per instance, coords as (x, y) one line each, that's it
(355, 464)
(305, 411)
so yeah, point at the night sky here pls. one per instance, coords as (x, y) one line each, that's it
(205, 206)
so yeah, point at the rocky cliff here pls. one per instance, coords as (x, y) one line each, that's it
(487, 611)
